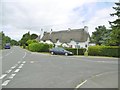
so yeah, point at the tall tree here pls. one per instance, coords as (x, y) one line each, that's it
(25, 38)
(115, 25)
(101, 35)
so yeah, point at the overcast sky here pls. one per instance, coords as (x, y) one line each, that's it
(21, 16)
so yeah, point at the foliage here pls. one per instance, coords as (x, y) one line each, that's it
(101, 35)
(31, 41)
(33, 36)
(39, 47)
(115, 25)
(27, 37)
(5, 39)
(111, 51)
(14, 42)
(81, 51)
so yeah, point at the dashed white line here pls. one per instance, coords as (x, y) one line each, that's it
(5, 82)
(24, 62)
(8, 71)
(80, 84)
(17, 70)
(14, 66)
(12, 76)
(20, 66)
(4, 75)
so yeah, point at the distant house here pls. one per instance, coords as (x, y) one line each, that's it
(74, 38)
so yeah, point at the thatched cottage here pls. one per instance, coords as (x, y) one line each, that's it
(74, 38)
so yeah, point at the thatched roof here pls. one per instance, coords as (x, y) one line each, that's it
(78, 35)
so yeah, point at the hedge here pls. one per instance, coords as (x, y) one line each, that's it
(39, 47)
(81, 51)
(111, 51)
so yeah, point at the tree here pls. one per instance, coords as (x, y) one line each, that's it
(25, 38)
(14, 42)
(34, 36)
(101, 35)
(6, 39)
(115, 25)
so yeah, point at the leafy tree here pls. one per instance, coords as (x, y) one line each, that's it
(34, 36)
(14, 42)
(115, 25)
(5, 39)
(101, 35)
(25, 38)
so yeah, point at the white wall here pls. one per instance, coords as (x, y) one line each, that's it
(58, 43)
(72, 43)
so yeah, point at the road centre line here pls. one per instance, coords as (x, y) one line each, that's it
(4, 75)
(8, 71)
(5, 82)
(14, 67)
(12, 76)
(24, 62)
(17, 70)
(20, 66)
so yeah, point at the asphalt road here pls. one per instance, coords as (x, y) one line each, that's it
(24, 69)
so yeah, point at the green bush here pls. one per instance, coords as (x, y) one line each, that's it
(39, 47)
(31, 41)
(81, 51)
(111, 51)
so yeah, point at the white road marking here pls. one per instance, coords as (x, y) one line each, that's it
(14, 66)
(80, 84)
(31, 61)
(20, 66)
(24, 62)
(24, 55)
(4, 75)
(12, 76)
(5, 82)
(8, 71)
(17, 70)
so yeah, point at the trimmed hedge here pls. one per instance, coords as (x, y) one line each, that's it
(111, 51)
(81, 51)
(39, 47)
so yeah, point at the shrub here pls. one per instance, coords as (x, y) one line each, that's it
(111, 51)
(81, 51)
(39, 47)
(31, 41)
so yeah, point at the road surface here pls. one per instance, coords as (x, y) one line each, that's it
(24, 69)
